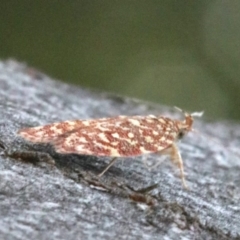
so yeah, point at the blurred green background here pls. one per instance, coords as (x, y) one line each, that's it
(184, 53)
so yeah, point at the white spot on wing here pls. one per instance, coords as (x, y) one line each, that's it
(115, 135)
(114, 152)
(81, 148)
(148, 139)
(130, 135)
(131, 142)
(143, 150)
(114, 143)
(163, 139)
(103, 137)
(134, 122)
(101, 128)
(152, 116)
(150, 120)
(82, 139)
(71, 123)
(140, 131)
(86, 123)
(162, 121)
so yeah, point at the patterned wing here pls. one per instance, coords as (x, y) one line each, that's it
(50, 132)
(118, 137)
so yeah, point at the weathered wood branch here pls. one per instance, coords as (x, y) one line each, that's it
(68, 201)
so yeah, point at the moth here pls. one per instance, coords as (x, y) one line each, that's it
(120, 136)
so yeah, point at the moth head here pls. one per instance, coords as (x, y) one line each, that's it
(186, 125)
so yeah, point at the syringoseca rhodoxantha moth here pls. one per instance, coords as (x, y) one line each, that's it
(121, 136)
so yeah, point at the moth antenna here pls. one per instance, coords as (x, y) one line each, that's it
(179, 109)
(197, 114)
(194, 114)
(189, 117)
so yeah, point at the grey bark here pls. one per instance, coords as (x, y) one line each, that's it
(68, 201)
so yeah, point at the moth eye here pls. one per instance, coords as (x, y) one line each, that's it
(181, 134)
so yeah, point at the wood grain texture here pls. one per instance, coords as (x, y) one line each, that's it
(68, 201)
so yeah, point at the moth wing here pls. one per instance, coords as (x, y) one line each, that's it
(50, 132)
(118, 138)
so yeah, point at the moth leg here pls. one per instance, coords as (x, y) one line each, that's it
(177, 160)
(108, 166)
